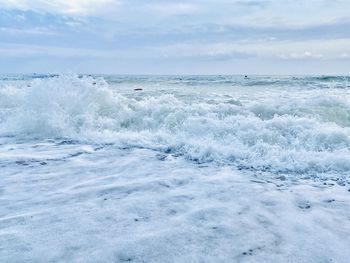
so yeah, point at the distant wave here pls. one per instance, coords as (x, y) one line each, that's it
(329, 78)
(294, 135)
(230, 80)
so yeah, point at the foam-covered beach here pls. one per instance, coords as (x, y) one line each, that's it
(185, 169)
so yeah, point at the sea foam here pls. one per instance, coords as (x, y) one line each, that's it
(280, 131)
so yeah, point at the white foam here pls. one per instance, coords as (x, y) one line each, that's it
(70, 192)
(129, 206)
(289, 133)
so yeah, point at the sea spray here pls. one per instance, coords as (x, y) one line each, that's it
(271, 129)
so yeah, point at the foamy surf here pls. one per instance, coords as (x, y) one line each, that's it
(188, 169)
(294, 130)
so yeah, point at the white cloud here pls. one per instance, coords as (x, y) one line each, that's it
(16, 50)
(173, 8)
(184, 30)
(11, 50)
(80, 7)
(310, 49)
(31, 31)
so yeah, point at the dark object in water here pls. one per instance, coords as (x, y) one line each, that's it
(245, 76)
(137, 89)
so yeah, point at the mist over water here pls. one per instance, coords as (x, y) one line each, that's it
(292, 125)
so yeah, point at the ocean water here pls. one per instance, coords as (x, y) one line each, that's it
(286, 125)
(174, 168)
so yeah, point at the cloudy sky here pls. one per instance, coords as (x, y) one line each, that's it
(175, 37)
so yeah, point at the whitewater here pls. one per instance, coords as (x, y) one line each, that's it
(103, 168)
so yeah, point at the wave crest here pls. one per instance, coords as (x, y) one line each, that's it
(308, 135)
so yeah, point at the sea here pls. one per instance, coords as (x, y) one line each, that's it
(135, 168)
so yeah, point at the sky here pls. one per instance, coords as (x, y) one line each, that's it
(175, 37)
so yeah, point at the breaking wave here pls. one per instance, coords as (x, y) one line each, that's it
(293, 135)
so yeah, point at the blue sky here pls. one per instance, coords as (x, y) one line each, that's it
(175, 37)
